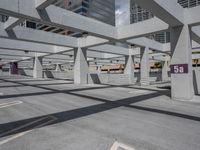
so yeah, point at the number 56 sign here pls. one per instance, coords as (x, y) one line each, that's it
(179, 68)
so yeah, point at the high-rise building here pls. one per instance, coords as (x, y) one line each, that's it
(140, 14)
(101, 10)
(97, 9)
(189, 3)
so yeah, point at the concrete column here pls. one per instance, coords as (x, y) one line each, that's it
(1, 70)
(58, 67)
(38, 69)
(144, 66)
(165, 68)
(80, 66)
(182, 80)
(129, 66)
(99, 69)
(13, 68)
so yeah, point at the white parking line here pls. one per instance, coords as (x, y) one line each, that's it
(26, 132)
(3, 105)
(138, 92)
(117, 145)
(14, 137)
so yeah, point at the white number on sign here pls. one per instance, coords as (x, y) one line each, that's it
(178, 69)
(181, 70)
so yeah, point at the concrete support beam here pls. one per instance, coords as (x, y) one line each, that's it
(99, 69)
(38, 69)
(13, 58)
(143, 41)
(192, 16)
(165, 68)
(182, 78)
(149, 26)
(42, 4)
(196, 34)
(37, 36)
(80, 66)
(195, 37)
(144, 66)
(167, 10)
(55, 16)
(22, 46)
(7, 52)
(129, 66)
(112, 49)
(92, 41)
(12, 22)
(58, 67)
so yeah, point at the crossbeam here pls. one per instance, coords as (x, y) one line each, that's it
(42, 4)
(167, 10)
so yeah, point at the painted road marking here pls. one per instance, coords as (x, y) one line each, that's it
(138, 92)
(3, 105)
(117, 145)
(25, 126)
(14, 137)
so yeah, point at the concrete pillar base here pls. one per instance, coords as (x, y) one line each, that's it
(144, 66)
(38, 69)
(144, 82)
(58, 67)
(182, 87)
(81, 69)
(165, 68)
(129, 66)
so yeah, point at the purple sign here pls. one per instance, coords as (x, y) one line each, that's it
(14, 68)
(179, 68)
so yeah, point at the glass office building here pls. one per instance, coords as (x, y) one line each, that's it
(97, 9)
(189, 3)
(101, 10)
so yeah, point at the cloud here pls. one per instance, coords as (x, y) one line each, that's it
(122, 12)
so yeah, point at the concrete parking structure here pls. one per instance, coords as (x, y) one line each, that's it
(72, 79)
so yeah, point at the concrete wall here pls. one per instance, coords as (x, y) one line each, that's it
(108, 78)
(154, 76)
(49, 74)
(58, 74)
(119, 78)
(4, 72)
(25, 72)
